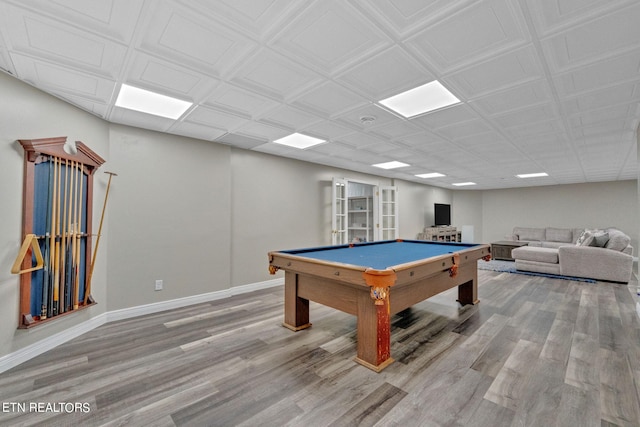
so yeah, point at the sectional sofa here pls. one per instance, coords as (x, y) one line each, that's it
(603, 254)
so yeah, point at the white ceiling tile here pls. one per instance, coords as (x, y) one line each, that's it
(363, 140)
(262, 131)
(395, 130)
(38, 35)
(515, 98)
(622, 94)
(354, 118)
(60, 79)
(195, 130)
(290, 117)
(335, 149)
(540, 128)
(535, 114)
(242, 141)
(611, 34)
(328, 130)
(445, 117)
(462, 130)
(275, 76)
(153, 73)
(256, 18)
(239, 101)
(553, 15)
(330, 99)
(329, 36)
(403, 17)
(142, 120)
(600, 74)
(186, 37)
(115, 19)
(471, 34)
(217, 119)
(386, 74)
(498, 73)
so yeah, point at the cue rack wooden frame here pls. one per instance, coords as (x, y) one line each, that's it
(59, 287)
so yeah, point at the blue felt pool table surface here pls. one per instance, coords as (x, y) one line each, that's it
(383, 254)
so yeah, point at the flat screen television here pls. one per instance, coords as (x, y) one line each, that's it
(442, 214)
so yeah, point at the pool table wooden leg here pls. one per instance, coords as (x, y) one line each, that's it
(374, 333)
(468, 291)
(296, 309)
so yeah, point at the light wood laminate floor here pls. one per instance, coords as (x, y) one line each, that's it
(535, 351)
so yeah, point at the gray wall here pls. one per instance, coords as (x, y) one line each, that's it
(169, 215)
(590, 205)
(27, 113)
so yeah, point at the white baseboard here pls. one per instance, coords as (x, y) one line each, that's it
(29, 352)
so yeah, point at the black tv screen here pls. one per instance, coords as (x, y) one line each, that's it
(442, 214)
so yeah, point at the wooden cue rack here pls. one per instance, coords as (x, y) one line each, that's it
(57, 209)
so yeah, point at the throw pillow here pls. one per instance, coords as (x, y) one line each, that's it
(600, 238)
(585, 238)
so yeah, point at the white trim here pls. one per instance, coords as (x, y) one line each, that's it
(12, 360)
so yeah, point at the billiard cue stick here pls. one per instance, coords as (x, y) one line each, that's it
(95, 251)
(62, 307)
(56, 233)
(47, 233)
(78, 236)
(71, 275)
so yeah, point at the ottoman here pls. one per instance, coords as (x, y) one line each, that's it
(539, 260)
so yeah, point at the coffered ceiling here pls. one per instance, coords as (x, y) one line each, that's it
(545, 85)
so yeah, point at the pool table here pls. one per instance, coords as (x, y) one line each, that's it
(374, 281)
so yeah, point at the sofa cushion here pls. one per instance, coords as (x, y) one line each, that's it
(529, 253)
(524, 233)
(618, 241)
(564, 235)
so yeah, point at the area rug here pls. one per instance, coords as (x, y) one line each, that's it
(510, 267)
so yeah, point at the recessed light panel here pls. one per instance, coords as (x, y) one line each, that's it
(145, 101)
(462, 184)
(430, 175)
(298, 140)
(390, 165)
(420, 100)
(532, 175)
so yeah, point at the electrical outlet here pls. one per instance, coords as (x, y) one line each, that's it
(159, 285)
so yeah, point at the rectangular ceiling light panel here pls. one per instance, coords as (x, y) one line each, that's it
(391, 165)
(430, 175)
(532, 175)
(145, 101)
(298, 140)
(420, 100)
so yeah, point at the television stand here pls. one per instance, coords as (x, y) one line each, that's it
(441, 233)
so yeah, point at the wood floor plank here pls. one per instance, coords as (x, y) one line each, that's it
(579, 407)
(508, 387)
(582, 368)
(618, 395)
